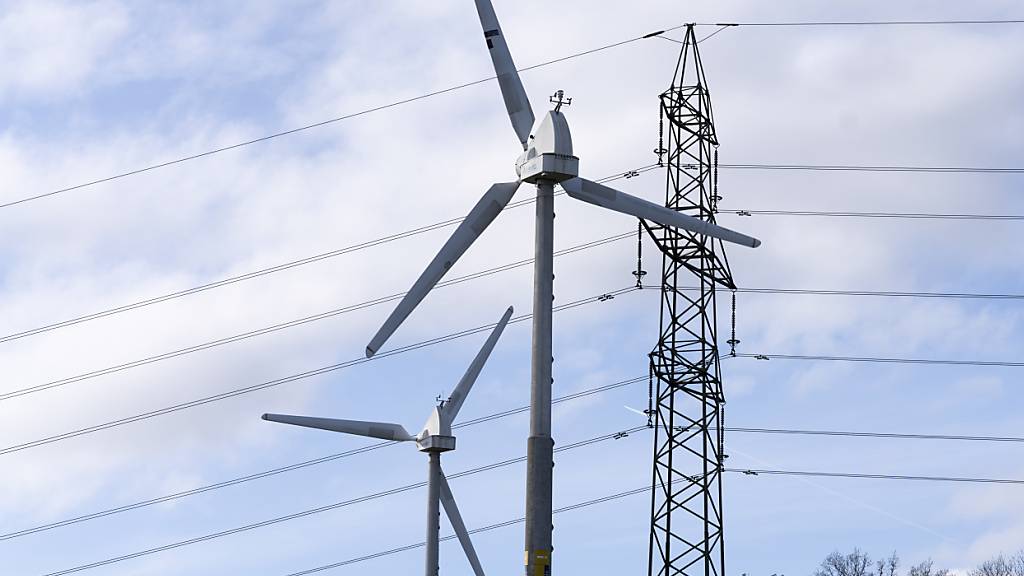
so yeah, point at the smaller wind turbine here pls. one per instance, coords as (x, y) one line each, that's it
(435, 438)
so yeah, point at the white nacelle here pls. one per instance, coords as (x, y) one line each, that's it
(436, 435)
(549, 156)
(436, 444)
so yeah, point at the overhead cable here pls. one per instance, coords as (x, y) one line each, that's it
(878, 168)
(706, 37)
(300, 465)
(881, 360)
(329, 507)
(611, 436)
(457, 87)
(891, 215)
(881, 293)
(611, 497)
(885, 435)
(453, 221)
(862, 476)
(473, 276)
(869, 23)
(495, 416)
(488, 528)
(321, 123)
(585, 504)
(295, 377)
(293, 323)
(280, 267)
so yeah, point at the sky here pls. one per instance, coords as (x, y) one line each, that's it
(93, 89)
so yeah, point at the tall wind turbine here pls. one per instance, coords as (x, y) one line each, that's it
(547, 159)
(435, 438)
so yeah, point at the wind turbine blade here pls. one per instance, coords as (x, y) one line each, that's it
(640, 412)
(516, 101)
(479, 218)
(382, 430)
(454, 404)
(612, 199)
(448, 500)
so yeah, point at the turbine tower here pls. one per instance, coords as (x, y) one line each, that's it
(435, 439)
(547, 159)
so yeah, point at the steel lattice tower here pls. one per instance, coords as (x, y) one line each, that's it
(687, 399)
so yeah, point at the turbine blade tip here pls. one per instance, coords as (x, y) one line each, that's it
(370, 352)
(265, 417)
(755, 243)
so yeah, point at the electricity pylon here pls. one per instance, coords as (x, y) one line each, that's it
(687, 412)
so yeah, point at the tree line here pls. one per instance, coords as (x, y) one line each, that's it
(857, 563)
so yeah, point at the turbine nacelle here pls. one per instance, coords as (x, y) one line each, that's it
(436, 435)
(548, 155)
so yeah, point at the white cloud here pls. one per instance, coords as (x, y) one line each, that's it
(51, 49)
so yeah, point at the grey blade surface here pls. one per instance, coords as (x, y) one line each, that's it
(448, 500)
(479, 218)
(382, 430)
(454, 404)
(512, 91)
(612, 199)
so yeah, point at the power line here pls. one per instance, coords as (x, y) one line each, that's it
(680, 42)
(294, 377)
(489, 417)
(457, 87)
(937, 361)
(281, 267)
(887, 435)
(577, 506)
(329, 507)
(970, 480)
(504, 524)
(878, 168)
(608, 498)
(880, 293)
(299, 465)
(713, 34)
(322, 123)
(868, 23)
(452, 221)
(493, 466)
(293, 323)
(473, 422)
(591, 503)
(366, 304)
(895, 215)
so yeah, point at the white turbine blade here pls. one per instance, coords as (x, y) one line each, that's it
(479, 218)
(516, 101)
(382, 430)
(612, 199)
(640, 412)
(451, 408)
(448, 500)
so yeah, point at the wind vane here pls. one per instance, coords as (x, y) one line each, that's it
(557, 99)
